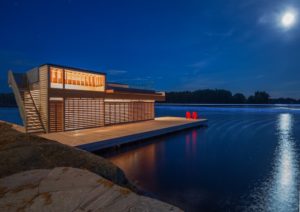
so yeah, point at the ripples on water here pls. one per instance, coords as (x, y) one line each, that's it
(280, 191)
(246, 160)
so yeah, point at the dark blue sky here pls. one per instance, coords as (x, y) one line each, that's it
(167, 45)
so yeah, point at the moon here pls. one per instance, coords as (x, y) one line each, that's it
(288, 19)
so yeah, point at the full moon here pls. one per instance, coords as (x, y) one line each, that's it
(288, 19)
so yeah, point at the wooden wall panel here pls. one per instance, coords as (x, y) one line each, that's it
(67, 93)
(56, 116)
(35, 93)
(33, 75)
(43, 75)
(124, 112)
(83, 113)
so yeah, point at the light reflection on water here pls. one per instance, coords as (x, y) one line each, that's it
(145, 159)
(280, 191)
(246, 160)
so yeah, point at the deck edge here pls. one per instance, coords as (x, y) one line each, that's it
(100, 145)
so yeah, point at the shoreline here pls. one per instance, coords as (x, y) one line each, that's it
(200, 104)
(221, 104)
(22, 152)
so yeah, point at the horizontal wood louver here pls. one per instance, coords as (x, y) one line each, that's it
(83, 113)
(124, 112)
(34, 89)
(56, 116)
(43, 86)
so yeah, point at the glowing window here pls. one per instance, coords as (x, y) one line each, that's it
(56, 77)
(84, 81)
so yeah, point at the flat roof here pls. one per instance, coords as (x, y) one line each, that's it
(117, 83)
(73, 68)
(131, 90)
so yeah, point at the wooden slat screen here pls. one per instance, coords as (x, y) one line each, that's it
(56, 116)
(124, 112)
(35, 93)
(33, 75)
(83, 113)
(43, 75)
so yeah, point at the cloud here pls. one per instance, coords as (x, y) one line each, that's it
(201, 82)
(228, 33)
(272, 17)
(285, 93)
(116, 72)
(200, 64)
(142, 82)
(265, 19)
(260, 76)
(15, 59)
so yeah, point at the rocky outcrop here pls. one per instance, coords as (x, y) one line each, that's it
(22, 152)
(70, 189)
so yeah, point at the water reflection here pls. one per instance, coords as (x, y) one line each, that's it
(191, 144)
(194, 142)
(280, 191)
(241, 162)
(145, 160)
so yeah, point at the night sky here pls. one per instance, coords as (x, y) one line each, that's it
(240, 45)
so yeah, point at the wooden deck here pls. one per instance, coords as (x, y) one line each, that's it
(115, 135)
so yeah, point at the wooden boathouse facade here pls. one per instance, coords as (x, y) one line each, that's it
(54, 98)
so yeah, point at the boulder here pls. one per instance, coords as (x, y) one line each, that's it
(22, 152)
(70, 189)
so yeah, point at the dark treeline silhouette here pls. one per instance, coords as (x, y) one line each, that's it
(216, 96)
(222, 96)
(7, 100)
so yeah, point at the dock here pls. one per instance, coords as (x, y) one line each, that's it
(115, 135)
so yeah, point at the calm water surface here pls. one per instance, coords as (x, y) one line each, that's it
(10, 114)
(247, 159)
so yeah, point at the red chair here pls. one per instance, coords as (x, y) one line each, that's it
(195, 115)
(188, 115)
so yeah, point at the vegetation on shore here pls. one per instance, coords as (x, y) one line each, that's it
(221, 96)
(7, 100)
(213, 96)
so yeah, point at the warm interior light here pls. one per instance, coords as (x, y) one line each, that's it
(76, 80)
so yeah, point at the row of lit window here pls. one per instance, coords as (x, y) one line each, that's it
(76, 78)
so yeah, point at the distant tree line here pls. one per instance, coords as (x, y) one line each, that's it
(222, 96)
(7, 100)
(213, 96)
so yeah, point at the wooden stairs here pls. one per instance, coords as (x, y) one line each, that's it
(27, 108)
(33, 121)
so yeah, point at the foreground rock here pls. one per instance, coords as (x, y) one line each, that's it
(22, 152)
(70, 189)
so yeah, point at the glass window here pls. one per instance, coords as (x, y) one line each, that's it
(56, 77)
(84, 81)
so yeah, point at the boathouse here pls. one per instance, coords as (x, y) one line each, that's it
(55, 98)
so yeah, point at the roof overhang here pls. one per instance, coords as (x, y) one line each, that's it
(68, 93)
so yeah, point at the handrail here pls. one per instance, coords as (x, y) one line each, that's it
(36, 110)
(12, 83)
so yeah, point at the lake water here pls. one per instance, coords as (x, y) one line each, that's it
(247, 159)
(10, 114)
